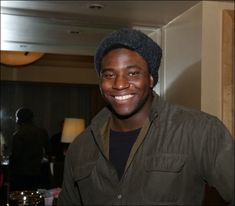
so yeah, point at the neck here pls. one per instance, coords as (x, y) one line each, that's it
(126, 125)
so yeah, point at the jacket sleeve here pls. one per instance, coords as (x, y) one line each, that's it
(218, 159)
(70, 191)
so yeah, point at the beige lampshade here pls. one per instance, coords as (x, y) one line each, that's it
(19, 58)
(71, 129)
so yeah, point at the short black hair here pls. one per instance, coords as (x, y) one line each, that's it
(24, 115)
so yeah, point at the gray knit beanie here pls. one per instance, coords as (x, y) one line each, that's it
(134, 40)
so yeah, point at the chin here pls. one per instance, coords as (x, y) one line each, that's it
(122, 114)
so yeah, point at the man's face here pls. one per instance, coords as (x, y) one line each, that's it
(125, 82)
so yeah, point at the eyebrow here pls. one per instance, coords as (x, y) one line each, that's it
(107, 69)
(133, 66)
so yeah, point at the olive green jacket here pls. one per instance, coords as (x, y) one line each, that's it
(177, 151)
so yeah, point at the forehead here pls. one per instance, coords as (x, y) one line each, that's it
(122, 55)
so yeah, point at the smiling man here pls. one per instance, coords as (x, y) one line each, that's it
(141, 150)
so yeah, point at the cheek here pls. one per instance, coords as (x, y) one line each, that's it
(104, 86)
(142, 85)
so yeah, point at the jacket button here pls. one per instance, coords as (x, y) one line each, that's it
(119, 196)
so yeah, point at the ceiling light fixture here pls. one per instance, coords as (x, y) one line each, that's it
(74, 32)
(23, 46)
(19, 58)
(96, 6)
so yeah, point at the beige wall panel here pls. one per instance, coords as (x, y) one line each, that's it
(182, 59)
(54, 68)
(211, 99)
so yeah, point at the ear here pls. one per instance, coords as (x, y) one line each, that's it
(101, 92)
(151, 81)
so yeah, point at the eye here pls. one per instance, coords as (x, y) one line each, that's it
(133, 73)
(107, 75)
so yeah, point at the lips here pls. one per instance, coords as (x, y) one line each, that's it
(123, 97)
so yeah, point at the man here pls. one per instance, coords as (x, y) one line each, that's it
(141, 150)
(57, 147)
(30, 144)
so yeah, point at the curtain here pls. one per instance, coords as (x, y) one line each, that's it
(50, 102)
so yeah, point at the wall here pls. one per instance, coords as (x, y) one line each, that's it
(211, 96)
(181, 73)
(54, 68)
(192, 72)
(156, 36)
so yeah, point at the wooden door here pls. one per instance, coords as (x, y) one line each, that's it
(228, 74)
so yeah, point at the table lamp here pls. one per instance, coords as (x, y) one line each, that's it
(72, 128)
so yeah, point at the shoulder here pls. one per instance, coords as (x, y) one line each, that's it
(189, 120)
(188, 115)
(168, 112)
(83, 148)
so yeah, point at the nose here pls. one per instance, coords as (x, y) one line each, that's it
(121, 82)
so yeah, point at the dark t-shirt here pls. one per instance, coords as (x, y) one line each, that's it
(120, 145)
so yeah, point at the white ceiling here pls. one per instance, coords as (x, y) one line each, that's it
(71, 27)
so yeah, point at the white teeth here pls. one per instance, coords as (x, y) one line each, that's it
(123, 97)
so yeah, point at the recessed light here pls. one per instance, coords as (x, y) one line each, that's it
(23, 46)
(74, 32)
(95, 6)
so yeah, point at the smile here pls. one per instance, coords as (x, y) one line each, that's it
(124, 97)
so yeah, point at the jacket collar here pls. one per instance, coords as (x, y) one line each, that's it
(156, 107)
(100, 124)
